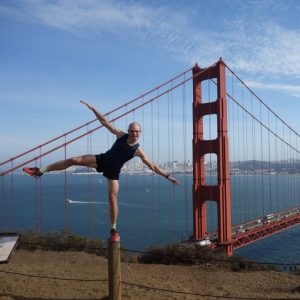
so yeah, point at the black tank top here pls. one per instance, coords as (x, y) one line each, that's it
(119, 154)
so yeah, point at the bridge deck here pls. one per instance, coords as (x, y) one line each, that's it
(260, 229)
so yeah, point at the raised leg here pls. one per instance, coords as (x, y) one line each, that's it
(84, 160)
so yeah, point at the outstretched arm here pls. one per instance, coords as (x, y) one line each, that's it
(142, 155)
(103, 120)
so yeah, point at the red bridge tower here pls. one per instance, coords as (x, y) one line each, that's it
(220, 192)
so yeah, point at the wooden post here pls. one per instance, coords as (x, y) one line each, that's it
(114, 270)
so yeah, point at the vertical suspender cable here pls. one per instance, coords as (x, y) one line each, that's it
(36, 201)
(254, 197)
(185, 157)
(277, 168)
(297, 173)
(230, 138)
(262, 161)
(242, 216)
(281, 174)
(294, 171)
(246, 159)
(40, 192)
(246, 176)
(286, 174)
(283, 169)
(3, 203)
(289, 190)
(89, 185)
(169, 165)
(293, 177)
(280, 165)
(230, 121)
(158, 160)
(287, 195)
(244, 185)
(290, 168)
(152, 177)
(65, 190)
(269, 149)
(145, 199)
(12, 197)
(172, 158)
(127, 177)
(233, 140)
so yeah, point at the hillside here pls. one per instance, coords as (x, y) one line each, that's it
(77, 275)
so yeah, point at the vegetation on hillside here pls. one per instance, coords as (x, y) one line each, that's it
(179, 254)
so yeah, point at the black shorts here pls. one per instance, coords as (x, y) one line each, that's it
(102, 168)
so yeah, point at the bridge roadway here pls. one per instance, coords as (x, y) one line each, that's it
(258, 229)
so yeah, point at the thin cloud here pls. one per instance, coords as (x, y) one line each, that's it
(271, 50)
(261, 47)
(85, 15)
(293, 90)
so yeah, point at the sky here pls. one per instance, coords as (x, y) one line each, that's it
(53, 53)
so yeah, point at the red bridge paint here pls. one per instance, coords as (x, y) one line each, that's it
(220, 192)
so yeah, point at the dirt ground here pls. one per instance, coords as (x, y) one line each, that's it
(77, 275)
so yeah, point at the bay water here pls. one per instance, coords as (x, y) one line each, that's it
(151, 211)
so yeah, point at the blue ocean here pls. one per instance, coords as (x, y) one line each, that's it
(151, 210)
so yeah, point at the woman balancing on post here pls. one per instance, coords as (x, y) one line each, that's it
(109, 163)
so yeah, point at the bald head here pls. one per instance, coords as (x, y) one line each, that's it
(134, 132)
(134, 126)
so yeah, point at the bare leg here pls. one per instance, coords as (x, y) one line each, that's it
(113, 189)
(85, 160)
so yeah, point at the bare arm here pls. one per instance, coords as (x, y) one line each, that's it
(142, 155)
(103, 120)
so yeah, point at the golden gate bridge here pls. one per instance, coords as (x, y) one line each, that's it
(244, 158)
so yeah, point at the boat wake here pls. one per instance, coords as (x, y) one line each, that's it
(86, 202)
(104, 203)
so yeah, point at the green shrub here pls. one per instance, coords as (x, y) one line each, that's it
(171, 254)
(180, 254)
(193, 254)
(60, 241)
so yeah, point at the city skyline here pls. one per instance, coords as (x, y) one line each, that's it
(248, 167)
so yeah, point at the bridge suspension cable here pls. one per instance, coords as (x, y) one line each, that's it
(263, 153)
(157, 102)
